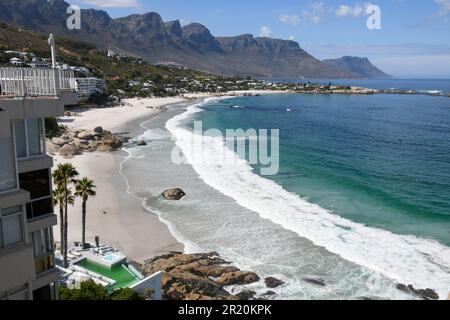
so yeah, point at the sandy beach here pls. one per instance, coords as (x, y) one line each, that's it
(115, 215)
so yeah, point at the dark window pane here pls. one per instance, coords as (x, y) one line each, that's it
(36, 182)
(42, 207)
(42, 294)
(35, 136)
(39, 208)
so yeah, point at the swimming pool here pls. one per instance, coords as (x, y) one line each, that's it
(119, 273)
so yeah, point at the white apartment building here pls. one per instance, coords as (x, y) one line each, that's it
(86, 87)
(27, 97)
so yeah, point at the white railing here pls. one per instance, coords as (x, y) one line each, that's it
(67, 80)
(33, 82)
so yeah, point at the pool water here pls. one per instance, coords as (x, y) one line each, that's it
(123, 277)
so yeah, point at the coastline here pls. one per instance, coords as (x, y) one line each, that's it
(117, 216)
(144, 233)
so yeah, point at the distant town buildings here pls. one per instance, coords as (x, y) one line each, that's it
(17, 62)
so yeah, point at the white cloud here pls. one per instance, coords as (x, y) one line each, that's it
(265, 32)
(113, 3)
(443, 7)
(316, 12)
(290, 19)
(292, 38)
(346, 11)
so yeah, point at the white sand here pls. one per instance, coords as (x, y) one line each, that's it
(115, 215)
(116, 118)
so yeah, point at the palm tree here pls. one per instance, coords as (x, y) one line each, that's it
(59, 200)
(64, 176)
(84, 189)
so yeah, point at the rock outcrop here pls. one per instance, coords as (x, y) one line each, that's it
(199, 277)
(273, 282)
(315, 281)
(425, 294)
(74, 142)
(69, 150)
(173, 194)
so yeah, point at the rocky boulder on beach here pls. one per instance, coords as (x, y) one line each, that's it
(173, 194)
(69, 150)
(75, 141)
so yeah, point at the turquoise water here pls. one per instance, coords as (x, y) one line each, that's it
(120, 273)
(382, 160)
(361, 199)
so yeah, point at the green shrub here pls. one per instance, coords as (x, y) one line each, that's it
(89, 290)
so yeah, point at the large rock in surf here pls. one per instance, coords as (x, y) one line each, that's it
(246, 295)
(173, 194)
(425, 294)
(315, 281)
(272, 282)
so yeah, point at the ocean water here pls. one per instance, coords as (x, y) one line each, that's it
(361, 200)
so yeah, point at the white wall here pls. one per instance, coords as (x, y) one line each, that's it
(153, 282)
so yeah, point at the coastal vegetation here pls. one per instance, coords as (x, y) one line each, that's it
(67, 189)
(64, 178)
(89, 290)
(84, 188)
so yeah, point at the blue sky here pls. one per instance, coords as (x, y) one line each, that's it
(414, 40)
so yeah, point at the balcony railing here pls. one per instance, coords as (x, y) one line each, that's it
(35, 82)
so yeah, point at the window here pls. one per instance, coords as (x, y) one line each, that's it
(38, 183)
(30, 137)
(43, 294)
(42, 241)
(8, 175)
(11, 227)
(43, 250)
(35, 137)
(39, 208)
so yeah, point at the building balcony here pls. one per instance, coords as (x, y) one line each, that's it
(35, 82)
(36, 93)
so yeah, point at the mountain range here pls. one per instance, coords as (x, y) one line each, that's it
(357, 65)
(149, 37)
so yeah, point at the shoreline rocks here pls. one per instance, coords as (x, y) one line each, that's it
(273, 283)
(75, 142)
(201, 276)
(425, 294)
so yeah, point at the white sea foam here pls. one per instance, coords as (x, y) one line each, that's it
(406, 259)
(431, 91)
